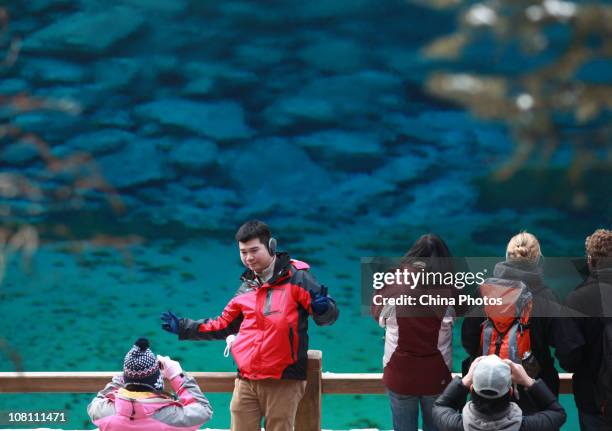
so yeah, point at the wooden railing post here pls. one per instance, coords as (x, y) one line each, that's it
(308, 417)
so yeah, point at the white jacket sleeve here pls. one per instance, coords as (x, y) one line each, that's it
(445, 338)
(104, 403)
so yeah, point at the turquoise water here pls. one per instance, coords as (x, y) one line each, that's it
(83, 311)
(135, 137)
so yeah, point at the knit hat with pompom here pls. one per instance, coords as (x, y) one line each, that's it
(141, 366)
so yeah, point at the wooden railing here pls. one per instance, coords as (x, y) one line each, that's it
(309, 411)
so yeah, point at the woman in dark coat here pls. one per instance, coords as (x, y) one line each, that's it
(548, 329)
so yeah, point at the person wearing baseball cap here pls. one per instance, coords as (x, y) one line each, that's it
(490, 383)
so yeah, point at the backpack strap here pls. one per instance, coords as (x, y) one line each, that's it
(513, 352)
(487, 335)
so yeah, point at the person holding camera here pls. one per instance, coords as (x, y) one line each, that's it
(490, 382)
(135, 399)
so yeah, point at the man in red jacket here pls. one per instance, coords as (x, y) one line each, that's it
(269, 314)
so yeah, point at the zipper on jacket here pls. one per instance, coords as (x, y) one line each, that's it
(133, 410)
(268, 303)
(291, 343)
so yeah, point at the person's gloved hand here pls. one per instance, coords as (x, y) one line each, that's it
(319, 301)
(169, 367)
(171, 322)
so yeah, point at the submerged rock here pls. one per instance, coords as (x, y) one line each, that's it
(329, 98)
(274, 174)
(48, 71)
(199, 87)
(193, 154)
(334, 55)
(117, 73)
(444, 197)
(291, 110)
(136, 164)
(91, 32)
(355, 194)
(262, 52)
(346, 150)
(13, 85)
(223, 73)
(161, 7)
(335, 9)
(102, 141)
(407, 167)
(19, 153)
(218, 120)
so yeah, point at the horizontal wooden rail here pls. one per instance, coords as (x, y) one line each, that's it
(353, 383)
(91, 382)
(308, 416)
(371, 383)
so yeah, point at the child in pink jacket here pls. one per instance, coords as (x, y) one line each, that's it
(135, 400)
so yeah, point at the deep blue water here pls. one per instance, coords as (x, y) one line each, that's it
(137, 135)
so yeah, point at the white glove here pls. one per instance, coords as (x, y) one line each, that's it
(170, 368)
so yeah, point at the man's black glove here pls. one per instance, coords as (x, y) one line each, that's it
(171, 322)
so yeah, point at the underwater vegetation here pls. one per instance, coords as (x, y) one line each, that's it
(61, 183)
(66, 181)
(549, 78)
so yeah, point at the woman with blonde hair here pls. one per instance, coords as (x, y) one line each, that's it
(524, 247)
(524, 262)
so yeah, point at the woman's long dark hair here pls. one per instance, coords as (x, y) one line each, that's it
(433, 251)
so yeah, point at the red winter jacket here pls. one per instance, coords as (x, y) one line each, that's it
(271, 320)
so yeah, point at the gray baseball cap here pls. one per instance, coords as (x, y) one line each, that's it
(492, 377)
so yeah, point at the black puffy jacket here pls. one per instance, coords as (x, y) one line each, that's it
(549, 417)
(586, 301)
